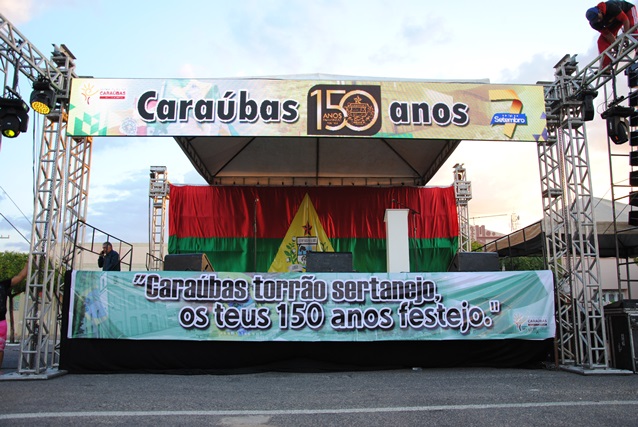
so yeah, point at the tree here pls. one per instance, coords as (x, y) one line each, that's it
(10, 264)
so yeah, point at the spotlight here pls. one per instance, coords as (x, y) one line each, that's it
(43, 96)
(633, 178)
(633, 99)
(587, 96)
(633, 218)
(617, 126)
(633, 158)
(13, 117)
(633, 198)
(617, 129)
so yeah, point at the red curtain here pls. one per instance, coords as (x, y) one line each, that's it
(357, 212)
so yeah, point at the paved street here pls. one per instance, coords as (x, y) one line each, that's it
(410, 397)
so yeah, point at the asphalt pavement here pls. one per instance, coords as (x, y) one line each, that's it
(408, 397)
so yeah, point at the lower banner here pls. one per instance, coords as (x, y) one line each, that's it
(218, 306)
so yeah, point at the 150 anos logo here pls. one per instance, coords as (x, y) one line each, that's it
(344, 110)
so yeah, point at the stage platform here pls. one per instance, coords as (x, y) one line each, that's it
(220, 322)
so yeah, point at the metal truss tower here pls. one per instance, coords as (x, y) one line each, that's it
(61, 194)
(463, 193)
(570, 226)
(158, 194)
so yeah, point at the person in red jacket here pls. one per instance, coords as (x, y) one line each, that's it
(608, 18)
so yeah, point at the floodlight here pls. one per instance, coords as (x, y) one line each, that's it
(13, 117)
(43, 96)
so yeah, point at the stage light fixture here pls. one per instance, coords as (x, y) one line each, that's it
(589, 111)
(633, 218)
(633, 99)
(632, 75)
(633, 158)
(43, 96)
(633, 138)
(617, 129)
(633, 198)
(617, 126)
(633, 119)
(14, 117)
(633, 178)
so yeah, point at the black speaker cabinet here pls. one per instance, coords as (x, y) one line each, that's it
(187, 262)
(329, 262)
(474, 261)
(621, 321)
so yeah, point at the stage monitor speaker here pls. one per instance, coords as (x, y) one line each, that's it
(474, 261)
(187, 262)
(329, 262)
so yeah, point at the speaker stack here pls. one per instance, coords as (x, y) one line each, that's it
(187, 262)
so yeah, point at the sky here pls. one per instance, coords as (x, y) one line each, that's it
(460, 40)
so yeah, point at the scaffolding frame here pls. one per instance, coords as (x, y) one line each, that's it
(463, 194)
(571, 235)
(60, 203)
(158, 194)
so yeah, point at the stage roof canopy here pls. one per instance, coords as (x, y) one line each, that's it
(315, 161)
(310, 130)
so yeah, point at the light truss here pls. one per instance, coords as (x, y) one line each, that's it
(60, 202)
(158, 195)
(569, 223)
(463, 194)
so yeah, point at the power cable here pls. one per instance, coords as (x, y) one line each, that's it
(14, 227)
(14, 204)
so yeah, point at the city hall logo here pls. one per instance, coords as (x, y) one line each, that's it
(112, 94)
(88, 91)
(344, 110)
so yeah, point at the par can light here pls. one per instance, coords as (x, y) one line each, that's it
(42, 97)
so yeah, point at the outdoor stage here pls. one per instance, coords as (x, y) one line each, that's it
(297, 166)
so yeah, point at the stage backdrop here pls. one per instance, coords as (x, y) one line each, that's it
(342, 307)
(272, 228)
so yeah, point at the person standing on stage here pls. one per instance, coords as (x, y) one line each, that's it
(5, 291)
(608, 18)
(109, 260)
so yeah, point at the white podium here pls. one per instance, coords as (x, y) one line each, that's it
(397, 247)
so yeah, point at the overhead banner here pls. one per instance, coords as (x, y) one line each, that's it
(270, 107)
(207, 306)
